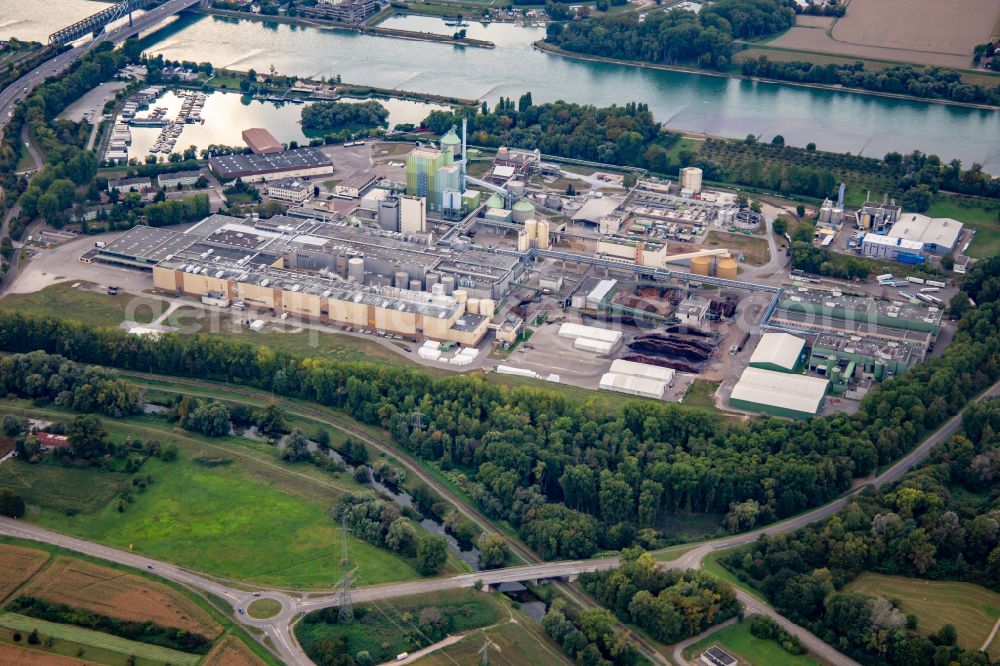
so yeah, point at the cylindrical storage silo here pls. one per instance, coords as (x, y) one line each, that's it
(522, 241)
(516, 187)
(825, 213)
(701, 265)
(416, 285)
(487, 307)
(472, 306)
(431, 279)
(838, 215)
(543, 235)
(726, 268)
(356, 269)
(402, 279)
(531, 228)
(460, 295)
(448, 282)
(522, 210)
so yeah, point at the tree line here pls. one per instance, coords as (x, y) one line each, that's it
(675, 36)
(927, 82)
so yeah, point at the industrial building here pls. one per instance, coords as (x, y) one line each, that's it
(690, 181)
(432, 173)
(780, 352)
(779, 393)
(298, 163)
(877, 217)
(342, 11)
(854, 357)
(290, 190)
(402, 213)
(938, 235)
(892, 248)
(356, 185)
(820, 311)
(261, 142)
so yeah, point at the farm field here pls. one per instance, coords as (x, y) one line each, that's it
(12, 655)
(120, 595)
(521, 644)
(753, 248)
(971, 608)
(736, 638)
(269, 521)
(149, 654)
(381, 630)
(17, 565)
(231, 652)
(915, 31)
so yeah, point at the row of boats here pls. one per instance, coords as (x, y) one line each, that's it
(191, 107)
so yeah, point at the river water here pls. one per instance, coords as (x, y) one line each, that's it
(715, 105)
(35, 20)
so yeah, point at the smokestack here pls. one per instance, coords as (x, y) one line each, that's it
(465, 128)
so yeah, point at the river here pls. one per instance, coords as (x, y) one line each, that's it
(838, 121)
(35, 20)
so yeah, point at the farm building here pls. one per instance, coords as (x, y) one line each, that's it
(780, 352)
(779, 393)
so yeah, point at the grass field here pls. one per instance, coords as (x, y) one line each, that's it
(753, 248)
(116, 594)
(973, 609)
(17, 565)
(256, 519)
(94, 308)
(521, 644)
(263, 609)
(737, 639)
(14, 655)
(231, 652)
(62, 488)
(701, 394)
(388, 627)
(151, 654)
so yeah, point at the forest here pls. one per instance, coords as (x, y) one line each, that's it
(927, 82)
(676, 36)
(671, 605)
(575, 478)
(331, 116)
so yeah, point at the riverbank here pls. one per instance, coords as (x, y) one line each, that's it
(321, 24)
(542, 45)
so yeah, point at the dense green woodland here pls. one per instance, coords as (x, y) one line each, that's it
(341, 115)
(576, 478)
(929, 82)
(676, 36)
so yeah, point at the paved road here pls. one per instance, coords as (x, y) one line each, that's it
(279, 628)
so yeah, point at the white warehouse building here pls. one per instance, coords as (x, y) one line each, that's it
(938, 234)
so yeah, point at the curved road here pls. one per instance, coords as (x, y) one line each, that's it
(279, 628)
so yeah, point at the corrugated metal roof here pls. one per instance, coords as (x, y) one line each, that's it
(780, 349)
(799, 393)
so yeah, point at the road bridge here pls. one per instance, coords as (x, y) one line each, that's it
(95, 22)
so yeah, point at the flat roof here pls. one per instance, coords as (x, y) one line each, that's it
(148, 243)
(892, 241)
(779, 349)
(229, 166)
(799, 393)
(595, 209)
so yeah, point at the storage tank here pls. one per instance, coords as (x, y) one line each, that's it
(431, 279)
(531, 228)
(516, 187)
(487, 307)
(879, 371)
(726, 268)
(495, 201)
(402, 279)
(416, 285)
(522, 241)
(553, 201)
(825, 213)
(837, 216)
(472, 306)
(543, 235)
(701, 265)
(522, 210)
(356, 269)
(460, 295)
(448, 282)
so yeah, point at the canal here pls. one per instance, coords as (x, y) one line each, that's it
(837, 121)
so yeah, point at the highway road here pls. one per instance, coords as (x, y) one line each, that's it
(279, 628)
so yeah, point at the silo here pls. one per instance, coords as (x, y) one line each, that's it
(487, 307)
(431, 279)
(553, 201)
(531, 228)
(460, 295)
(523, 210)
(416, 285)
(825, 213)
(522, 241)
(402, 279)
(543, 235)
(472, 306)
(837, 216)
(726, 268)
(516, 187)
(879, 371)
(356, 269)
(701, 265)
(448, 282)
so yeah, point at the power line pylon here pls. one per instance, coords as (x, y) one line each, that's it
(345, 606)
(485, 651)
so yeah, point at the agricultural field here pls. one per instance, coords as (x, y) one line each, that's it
(120, 595)
(753, 248)
(737, 639)
(12, 655)
(973, 609)
(231, 652)
(17, 565)
(511, 644)
(924, 32)
(387, 628)
(269, 521)
(93, 640)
